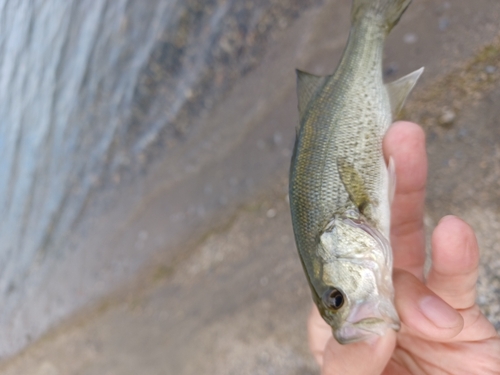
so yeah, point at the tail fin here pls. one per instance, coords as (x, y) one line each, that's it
(388, 12)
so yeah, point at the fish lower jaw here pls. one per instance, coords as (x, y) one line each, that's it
(364, 330)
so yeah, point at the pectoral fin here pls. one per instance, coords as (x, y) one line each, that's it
(307, 86)
(354, 184)
(399, 90)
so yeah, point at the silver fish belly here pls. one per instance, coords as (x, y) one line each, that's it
(340, 185)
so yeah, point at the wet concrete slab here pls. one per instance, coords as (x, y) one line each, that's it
(234, 301)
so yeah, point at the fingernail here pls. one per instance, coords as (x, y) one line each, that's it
(438, 312)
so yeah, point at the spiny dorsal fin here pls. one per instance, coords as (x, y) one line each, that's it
(399, 90)
(354, 184)
(307, 86)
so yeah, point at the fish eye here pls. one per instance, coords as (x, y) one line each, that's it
(333, 298)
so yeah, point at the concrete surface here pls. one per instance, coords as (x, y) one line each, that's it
(93, 95)
(233, 300)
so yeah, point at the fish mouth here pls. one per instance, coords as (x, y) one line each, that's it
(368, 319)
(363, 330)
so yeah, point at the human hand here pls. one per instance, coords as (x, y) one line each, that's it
(443, 331)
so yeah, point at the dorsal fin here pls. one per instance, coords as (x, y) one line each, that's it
(307, 86)
(400, 89)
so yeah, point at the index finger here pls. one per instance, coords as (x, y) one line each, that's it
(405, 143)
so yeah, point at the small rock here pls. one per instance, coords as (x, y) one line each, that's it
(410, 38)
(391, 69)
(490, 69)
(447, 117)
(443, 23)
(271, 213)
(47, 368)
(277, 138)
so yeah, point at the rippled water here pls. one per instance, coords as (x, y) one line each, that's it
(92, 93)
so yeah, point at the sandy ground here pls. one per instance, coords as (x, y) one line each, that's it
(235, 301)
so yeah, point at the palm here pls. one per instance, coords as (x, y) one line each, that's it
(436, 337)
(475, 351)
(460, 357)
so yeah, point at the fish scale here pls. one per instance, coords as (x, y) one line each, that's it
(339, 183)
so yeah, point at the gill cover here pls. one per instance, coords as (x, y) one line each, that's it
(357, 262)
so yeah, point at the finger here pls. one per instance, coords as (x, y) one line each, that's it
(319, 334)
(405, 143)
(360, 358)
(455, 262)
(334, 358)
(422, 311)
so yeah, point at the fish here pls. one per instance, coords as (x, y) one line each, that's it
(340, 187)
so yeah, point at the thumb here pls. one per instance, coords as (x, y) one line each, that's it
(361, 358)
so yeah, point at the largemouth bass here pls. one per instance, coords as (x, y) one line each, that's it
(340, 186)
